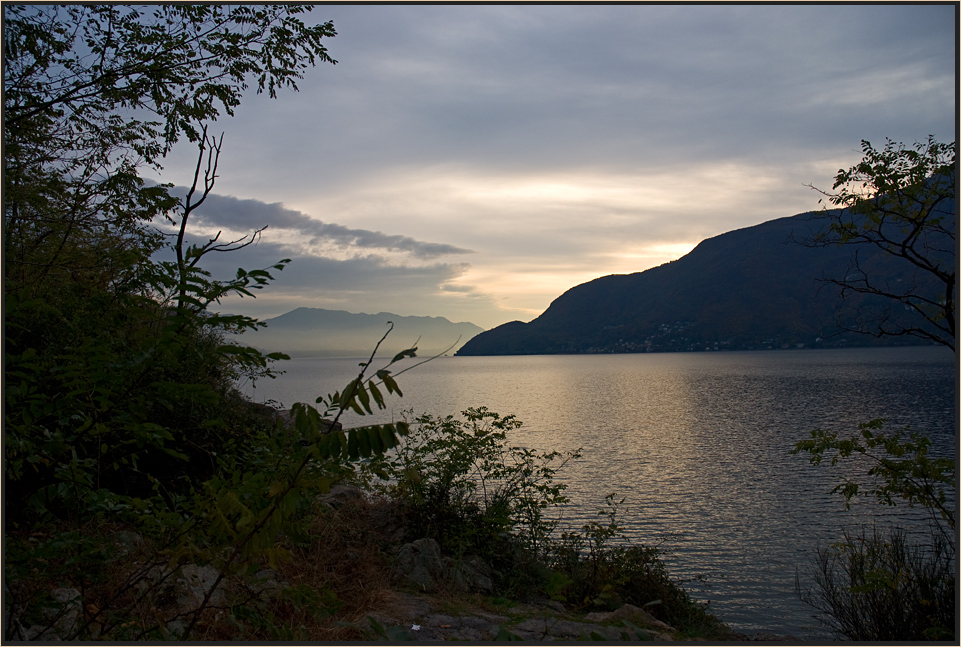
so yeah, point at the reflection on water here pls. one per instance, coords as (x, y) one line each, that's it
(698, 445)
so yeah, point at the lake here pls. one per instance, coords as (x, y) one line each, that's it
(697, 443)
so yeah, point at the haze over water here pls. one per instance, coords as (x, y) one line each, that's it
(698, 445)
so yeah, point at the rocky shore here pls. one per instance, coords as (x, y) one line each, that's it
(436, 599)
(421, 618)
(421, 594)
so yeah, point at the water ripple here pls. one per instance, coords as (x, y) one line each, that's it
(698, 445)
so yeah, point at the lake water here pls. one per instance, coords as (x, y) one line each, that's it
(697, 443)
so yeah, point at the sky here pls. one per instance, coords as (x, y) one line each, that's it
(474, 162)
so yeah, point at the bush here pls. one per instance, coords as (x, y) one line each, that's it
(878, 586)
(599, 569)
(460, 482)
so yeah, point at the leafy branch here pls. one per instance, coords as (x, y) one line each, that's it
(902, 468)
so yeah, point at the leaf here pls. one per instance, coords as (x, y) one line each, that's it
(410, 352)
(363, 396)
(363, 441)
(376, 444)
(378, 397)
(387, 437)
(389, 383)
(353, 449)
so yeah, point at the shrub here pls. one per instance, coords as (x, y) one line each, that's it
(461, 483)
(879, 586)
(599, 569)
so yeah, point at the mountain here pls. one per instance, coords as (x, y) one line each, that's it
(315, 331)
(752, 288)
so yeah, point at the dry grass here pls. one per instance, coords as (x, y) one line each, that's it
(347, 565)
(341, 576)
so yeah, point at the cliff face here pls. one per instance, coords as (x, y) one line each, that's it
(751, 288)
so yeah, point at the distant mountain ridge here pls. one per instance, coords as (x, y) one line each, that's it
(317, 331)
(752, 288)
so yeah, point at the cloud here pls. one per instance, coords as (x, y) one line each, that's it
(559, 143)
(243, 215)
(360, 283)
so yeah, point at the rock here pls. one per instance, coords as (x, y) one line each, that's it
(35, 633)
(66, 615)
(63, 619)
(764, 636)
(555, 605)
(195, 582)
(420, 563)
(176, 628)
(264, 583)
(470, 574)
(445, 627)
(127, 541)
(493, 618)
(631, 613)
(342, 495)
(558, 628)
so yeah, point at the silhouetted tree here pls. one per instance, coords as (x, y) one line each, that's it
(901, 201)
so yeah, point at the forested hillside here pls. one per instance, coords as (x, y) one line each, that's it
(754, 288)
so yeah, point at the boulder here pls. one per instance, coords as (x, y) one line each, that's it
(62, 619)
(264, 583)
(341, 495)
(420, 563)
(629, 612)
(470, 574)
(194, 582)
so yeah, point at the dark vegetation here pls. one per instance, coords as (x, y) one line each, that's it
(882, 585)
(130, 459)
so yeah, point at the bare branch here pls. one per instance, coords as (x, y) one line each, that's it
(896, 201)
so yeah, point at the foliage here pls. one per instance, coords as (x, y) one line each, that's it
(901, 469)
(78, 69)
(232, 519)
(118, 371)
(599, 569)
(900, 201)
(461, 483)
(879, 587)
(95, 93)
(120, 404)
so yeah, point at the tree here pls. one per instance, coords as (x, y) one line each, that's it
(93, 94)
(900, 201)
(119, 384)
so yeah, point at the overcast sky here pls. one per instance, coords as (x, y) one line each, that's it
(474, 162)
